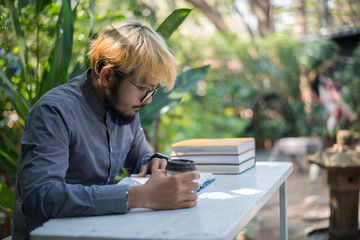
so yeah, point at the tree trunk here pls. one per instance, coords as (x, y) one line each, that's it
(212, 15)
(301, 16)
(243, 20)
(324, 17)
(262, 10)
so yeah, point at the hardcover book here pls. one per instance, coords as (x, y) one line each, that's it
(226, 168)
(216, 159)
(213, 146)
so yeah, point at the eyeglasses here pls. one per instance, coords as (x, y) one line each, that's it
(148, 94)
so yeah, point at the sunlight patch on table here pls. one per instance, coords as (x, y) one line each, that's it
(232, 194)
(246, 191)
(216, 195)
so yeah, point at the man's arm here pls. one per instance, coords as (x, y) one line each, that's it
(43, 166)
(163, 192)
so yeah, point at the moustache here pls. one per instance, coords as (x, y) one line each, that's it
(142, 105)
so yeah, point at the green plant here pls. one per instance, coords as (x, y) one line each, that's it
(350, 79)
(223, 105)
(314, 53)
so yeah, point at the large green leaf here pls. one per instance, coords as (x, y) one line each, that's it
(40, 5)
(8, 139)
(16, 99)
(162, 100)
(8, 161)
(58, 63)
(8, 154)
(6, 199)
(172, 22)
(20, 35)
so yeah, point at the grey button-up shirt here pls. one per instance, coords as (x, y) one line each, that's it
(71, 152)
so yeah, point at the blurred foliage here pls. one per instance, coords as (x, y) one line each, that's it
(350, 80)
(317, 52)
(252, 89)
(7, 199)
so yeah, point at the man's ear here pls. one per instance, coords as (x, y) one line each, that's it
(105, 76)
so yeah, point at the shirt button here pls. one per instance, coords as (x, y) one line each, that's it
(108, 179)
(111, 149)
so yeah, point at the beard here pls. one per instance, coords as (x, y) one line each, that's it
(117, 117)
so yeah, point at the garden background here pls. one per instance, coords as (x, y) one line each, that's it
(245, 67)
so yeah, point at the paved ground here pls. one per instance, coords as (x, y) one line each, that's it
(308, 208)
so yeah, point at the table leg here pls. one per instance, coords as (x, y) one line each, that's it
(283, 213)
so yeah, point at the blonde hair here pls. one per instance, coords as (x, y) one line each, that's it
(134, 49)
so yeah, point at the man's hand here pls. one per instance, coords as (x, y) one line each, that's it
(153, 165)
(163, 192)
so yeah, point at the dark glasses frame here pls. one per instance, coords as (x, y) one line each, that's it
(147, 95)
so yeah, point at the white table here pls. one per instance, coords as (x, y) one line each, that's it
(224, 208)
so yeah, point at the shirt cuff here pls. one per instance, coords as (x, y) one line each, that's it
(127, 199)
(159, 155)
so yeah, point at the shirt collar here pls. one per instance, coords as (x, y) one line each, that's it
(95, 103)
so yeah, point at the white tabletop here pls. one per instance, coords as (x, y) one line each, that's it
(223, 210)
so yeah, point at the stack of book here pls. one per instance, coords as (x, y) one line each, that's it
(217, 155)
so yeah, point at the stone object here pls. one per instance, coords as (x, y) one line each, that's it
(342, 163)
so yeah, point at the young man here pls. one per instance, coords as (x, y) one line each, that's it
(79, 135)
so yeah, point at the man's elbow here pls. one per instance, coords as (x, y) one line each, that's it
(34, 210)
(37, 207)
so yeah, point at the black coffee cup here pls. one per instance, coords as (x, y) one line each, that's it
(175, 166)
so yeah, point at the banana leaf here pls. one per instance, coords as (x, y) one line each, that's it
(6, 199)
(8, 156)
(172, 22)
(40, 5)
(7, 162)
(20, 35)
(59, 59)
(16, 99)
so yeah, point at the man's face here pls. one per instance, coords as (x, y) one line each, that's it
(124, 99)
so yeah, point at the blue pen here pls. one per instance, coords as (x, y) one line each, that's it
(205, 184)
